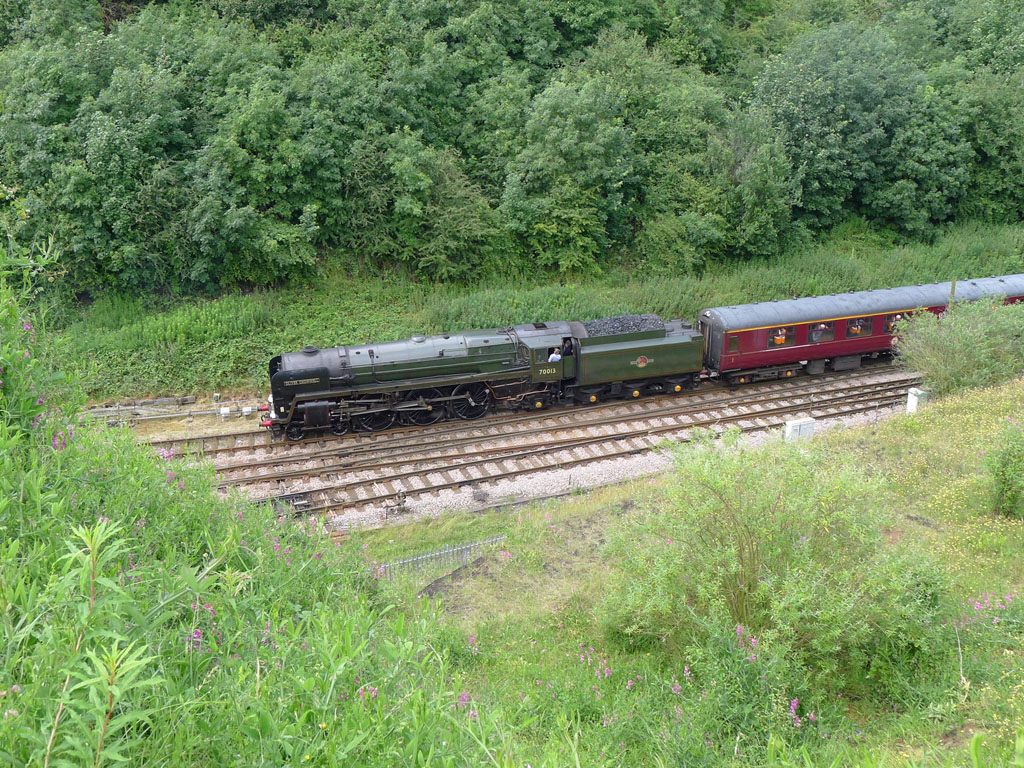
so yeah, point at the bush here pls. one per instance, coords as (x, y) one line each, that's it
(779, 553)
(975, 344)
(867, 128)
(26, 376)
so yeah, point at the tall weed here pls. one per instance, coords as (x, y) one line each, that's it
(1006, 467)
(145, 620)
(780, 551)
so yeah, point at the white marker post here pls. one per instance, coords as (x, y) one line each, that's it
(916, 398)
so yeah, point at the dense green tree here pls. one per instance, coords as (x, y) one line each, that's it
(48, 19)
(977, 33)
(992, 106)
(715, 181)
(191, 144)
(760, 186)
(582, 21)
(867, 130)
(570, 189)
(265, 12)
(11, 14)
(692, 30)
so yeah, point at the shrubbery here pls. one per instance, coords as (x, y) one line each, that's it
(27, 375)
(204, 143)
(974, 344)
(777, 588)
(1006, 465)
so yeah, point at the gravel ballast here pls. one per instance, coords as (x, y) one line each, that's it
(545, 483)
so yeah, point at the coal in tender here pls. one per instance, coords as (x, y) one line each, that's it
(614, 326)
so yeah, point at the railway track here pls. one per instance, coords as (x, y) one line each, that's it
(170, 408)
(358, 481)
(488, 440)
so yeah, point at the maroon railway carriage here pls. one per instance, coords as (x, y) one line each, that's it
(776, 339)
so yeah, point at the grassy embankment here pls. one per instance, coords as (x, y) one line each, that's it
(856, 597)
(130, 346)
(879, 605)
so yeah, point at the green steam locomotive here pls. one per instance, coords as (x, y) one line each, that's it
(426, 379)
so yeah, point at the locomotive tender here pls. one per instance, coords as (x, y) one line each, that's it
(423, 380)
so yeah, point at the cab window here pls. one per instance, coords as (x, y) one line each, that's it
(817, 332)
(734, 343)
(858, 326)
(783, 336)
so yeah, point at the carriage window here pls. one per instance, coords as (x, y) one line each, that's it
(890, 322)
(734, 343)
(858, 326)
(783, 336)
(821, 332)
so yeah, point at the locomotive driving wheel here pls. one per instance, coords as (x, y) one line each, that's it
(471, 401)
(374, 421)
(426, 412)
(340, 427)
(294, 431)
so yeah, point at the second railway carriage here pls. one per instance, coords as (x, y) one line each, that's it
(777, 339)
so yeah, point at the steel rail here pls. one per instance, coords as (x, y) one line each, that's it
(831, 407)
(419, 452)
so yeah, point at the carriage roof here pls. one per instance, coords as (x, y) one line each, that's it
(857, 303)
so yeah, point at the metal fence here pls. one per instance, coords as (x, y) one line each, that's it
(446, 558)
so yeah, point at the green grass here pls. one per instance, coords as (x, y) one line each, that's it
(145, 620)
(531, 615)
(129, 346)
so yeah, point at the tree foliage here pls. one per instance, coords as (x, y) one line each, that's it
(201, 143)
(869, 131)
